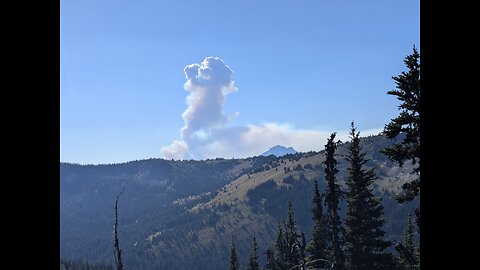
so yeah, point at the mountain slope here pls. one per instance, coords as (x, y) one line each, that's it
(182, 214)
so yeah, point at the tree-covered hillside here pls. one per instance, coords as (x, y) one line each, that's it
(183, 214)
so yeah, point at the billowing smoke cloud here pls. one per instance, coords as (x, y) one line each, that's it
(208, 84)
(205, 134)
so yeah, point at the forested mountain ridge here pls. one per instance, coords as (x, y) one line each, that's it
(182, 214)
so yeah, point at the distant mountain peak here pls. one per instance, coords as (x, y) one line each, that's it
(279, 150)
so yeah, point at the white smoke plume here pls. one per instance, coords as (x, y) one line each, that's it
(205, 134)
(208, 84)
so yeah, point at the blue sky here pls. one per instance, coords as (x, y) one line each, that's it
(301, 70)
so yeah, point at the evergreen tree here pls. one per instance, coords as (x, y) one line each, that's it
(407, 250)
(234, 263)
(271, 261)
(281, 248)
(253, 259)
(303, 246)
(408, 122)
(364, 237)
(332, 199)
(289, 250)
(408, 237)
(291, 237)
(318, 243)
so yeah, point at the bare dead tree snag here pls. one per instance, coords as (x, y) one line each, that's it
(117, 252)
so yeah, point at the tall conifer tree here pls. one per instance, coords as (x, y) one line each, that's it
(332, 200)
(289, 249)
(407, 122)
(234, 263)
(408, 252)
(364, 237)
(271, 260)
(291, 237)
(280, 248)
(318, 243)
(253, 258)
